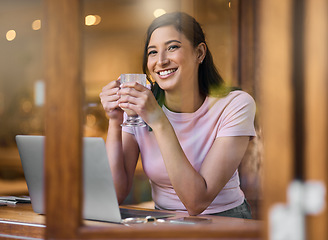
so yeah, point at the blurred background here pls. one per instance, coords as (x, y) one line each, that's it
(113, 38)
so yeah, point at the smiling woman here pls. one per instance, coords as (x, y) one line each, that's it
(201, 76)
(173, 62)
(115, 47)
(194, 131)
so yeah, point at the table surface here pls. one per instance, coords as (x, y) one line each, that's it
(20, 220)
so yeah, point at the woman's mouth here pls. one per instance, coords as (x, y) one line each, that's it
(165, 73)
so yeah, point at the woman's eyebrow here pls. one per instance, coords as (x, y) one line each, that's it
(171, 41)
(166, 43)
(151, 47)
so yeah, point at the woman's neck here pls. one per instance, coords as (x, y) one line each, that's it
(183, 103)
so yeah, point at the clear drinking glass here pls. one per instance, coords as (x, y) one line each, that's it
(133, 120)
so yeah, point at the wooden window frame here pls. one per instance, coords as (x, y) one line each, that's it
(64, 118)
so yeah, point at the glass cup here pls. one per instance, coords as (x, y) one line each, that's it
(133, 120)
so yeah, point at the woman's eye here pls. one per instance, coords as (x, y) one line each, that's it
(152, 53)
(173, 47)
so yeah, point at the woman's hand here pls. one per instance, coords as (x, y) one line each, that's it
(140, 99)
(109, 99)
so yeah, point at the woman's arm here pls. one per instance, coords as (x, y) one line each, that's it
(122, 149)
(123, 153)
(195, 189)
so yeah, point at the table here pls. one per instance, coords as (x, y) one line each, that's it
(20, 220)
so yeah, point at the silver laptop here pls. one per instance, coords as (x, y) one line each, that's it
(100, 201)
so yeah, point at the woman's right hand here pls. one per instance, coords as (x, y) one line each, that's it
(109, 100)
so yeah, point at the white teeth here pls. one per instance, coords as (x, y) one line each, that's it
(166, 72)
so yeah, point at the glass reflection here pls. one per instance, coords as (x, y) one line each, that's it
(113, 37)
(20, 70)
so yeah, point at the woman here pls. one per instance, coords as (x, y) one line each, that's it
(198, 133)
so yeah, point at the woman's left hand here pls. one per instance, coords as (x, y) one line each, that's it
(140, 99)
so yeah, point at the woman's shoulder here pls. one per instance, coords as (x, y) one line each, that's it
(238, 97)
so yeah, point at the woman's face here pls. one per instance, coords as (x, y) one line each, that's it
(172, 60)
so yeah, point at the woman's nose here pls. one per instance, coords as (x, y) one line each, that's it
(163, 60)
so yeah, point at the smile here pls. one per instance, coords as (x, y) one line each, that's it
(166, 72)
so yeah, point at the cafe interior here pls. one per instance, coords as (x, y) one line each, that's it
(274, 50)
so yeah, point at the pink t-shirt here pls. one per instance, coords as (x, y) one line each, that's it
(232, 115)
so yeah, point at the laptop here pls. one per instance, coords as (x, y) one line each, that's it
(100, 201)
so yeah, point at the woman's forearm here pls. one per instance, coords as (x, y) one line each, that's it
(197, 190)
(189, 185)
(114, 148)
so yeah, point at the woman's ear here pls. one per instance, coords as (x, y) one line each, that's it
(201, 52)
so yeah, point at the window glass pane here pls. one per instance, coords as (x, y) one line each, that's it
(21, 85)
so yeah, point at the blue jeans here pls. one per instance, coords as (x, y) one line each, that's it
(241, 211)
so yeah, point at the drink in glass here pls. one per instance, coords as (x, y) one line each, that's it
(133, 120)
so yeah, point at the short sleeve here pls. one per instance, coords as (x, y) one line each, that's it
(238, 117)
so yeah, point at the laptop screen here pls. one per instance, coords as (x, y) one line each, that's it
(100, 201)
